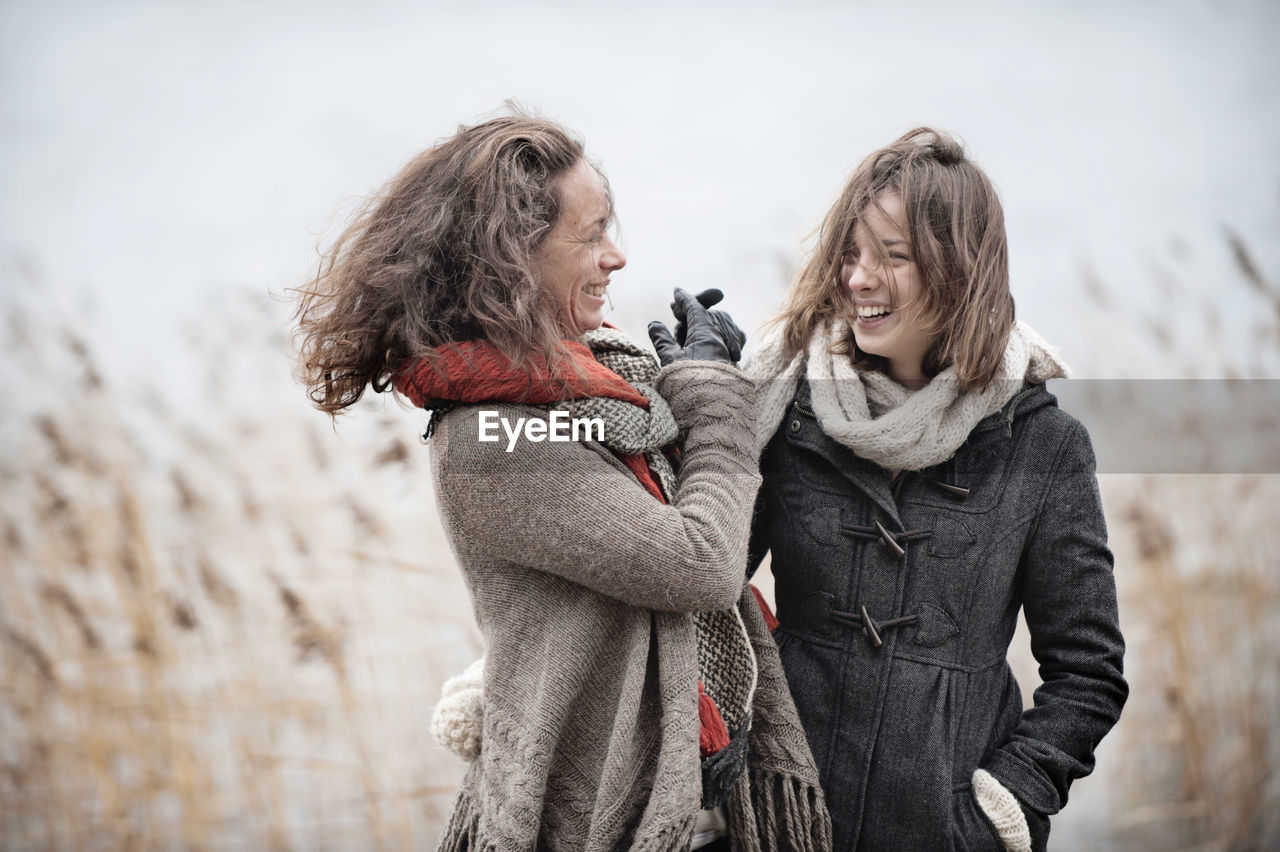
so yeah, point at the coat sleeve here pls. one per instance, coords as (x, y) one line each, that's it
(1069, 600)
(571, 510)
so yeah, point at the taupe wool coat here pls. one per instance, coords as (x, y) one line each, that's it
(582, 585)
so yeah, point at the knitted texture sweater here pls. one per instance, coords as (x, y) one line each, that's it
(583, 586)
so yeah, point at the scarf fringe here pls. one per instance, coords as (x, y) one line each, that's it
(462, 834)
(676, 837)
(782, 813)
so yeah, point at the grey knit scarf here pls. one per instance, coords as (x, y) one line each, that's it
(628, 428)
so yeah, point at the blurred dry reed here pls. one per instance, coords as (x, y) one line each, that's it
(216, 633)
(1193, 764)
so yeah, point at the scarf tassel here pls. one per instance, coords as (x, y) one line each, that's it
(779, 813)
(462, 834)
(713, 732)
(674, 838)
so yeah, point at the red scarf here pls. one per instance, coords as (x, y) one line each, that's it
(474, 371)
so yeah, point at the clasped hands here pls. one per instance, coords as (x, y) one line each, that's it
(701, 334)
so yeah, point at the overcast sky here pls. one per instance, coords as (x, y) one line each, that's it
(160, 158)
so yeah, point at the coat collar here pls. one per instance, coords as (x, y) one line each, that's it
(1000, 425)
(993, 432)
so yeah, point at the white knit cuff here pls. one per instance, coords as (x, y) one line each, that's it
(1003, 810)
(458, 720)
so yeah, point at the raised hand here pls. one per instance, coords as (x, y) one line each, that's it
(702, 335)
(729, 330)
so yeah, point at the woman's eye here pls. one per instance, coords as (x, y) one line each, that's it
(897, 256)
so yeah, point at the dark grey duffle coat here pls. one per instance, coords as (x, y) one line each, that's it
(897, 603)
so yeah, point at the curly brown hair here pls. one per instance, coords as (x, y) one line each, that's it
(442, 252)
(957, 231)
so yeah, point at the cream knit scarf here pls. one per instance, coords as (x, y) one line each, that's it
(879, 419)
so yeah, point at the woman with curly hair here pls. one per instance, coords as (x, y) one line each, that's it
(921, 486)
(632, 695)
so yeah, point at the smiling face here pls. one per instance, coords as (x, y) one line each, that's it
(880, 271)
(575, 260)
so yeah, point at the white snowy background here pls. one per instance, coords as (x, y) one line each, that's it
(168, 170)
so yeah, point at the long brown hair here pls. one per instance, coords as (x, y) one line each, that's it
(956, 228)
(441, 253)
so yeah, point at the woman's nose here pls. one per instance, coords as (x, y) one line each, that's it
(612, 259)
(860, 277)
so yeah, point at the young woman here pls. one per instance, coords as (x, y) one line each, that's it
(630, 686)
(920, 487)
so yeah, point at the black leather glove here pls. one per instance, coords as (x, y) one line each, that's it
(729, 331)
(703, 339)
